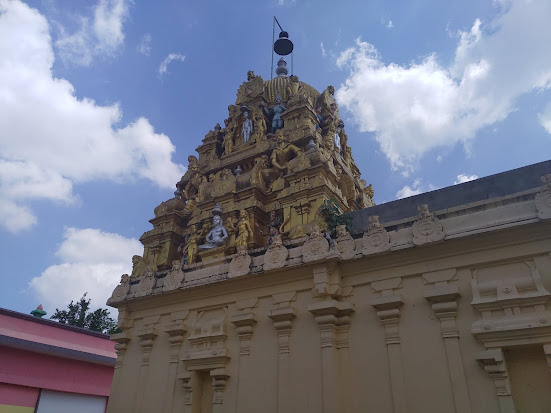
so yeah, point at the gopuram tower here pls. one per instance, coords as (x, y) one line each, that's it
(272, 283)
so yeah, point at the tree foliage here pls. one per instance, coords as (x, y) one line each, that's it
(78, 314)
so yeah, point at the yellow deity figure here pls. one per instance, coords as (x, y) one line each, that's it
(283, 153)
(245, 232)
(190, 249)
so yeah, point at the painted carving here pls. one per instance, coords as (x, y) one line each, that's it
(543, 198)
(275, 113)
(247, 128)
(175, 277)
(244, 231)
(376, 239)
(427, 228)
(345, 244)
(316, 247)
(218, 235)
(276, 255)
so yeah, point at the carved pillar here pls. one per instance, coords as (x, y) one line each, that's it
(333, 319)
(122, 340)
(219, 381)
(176, 331)
(388, 310)
(244, 322)
(443, 299)
(493, 362)
(282, 314)
(185, 378)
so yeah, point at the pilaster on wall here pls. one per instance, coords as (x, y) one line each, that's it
(333, 319)
(282, 314)
(388, 306)
(244, 321)
(176, 330)
(493, 362)
(443, 298)
(147, 333)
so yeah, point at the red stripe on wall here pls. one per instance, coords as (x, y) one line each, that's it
(13, 395)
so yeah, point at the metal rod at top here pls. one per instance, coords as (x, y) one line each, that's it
(281, 28)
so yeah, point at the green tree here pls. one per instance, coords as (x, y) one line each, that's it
(78, 314)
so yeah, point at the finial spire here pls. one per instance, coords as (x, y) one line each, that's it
(281, 69)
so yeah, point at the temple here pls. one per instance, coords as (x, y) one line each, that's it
(272, 282)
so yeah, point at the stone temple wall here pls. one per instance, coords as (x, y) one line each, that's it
(444, 311)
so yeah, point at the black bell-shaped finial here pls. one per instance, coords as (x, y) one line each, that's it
(283, 46)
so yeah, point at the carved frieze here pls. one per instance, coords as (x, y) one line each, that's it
(376, 239)
(427, 228)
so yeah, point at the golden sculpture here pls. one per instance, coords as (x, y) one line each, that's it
(191, 247)
(244, 231)
(283, 153)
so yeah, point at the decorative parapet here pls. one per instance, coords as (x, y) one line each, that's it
(276, 255)
(427, 228)
(376, 239)
(512, 300)
(244, 322)
(345, 244)
(146, 284)
(240, 264)
(174, 278)
(543, 198)
(282, 314)
(315, 248)
(121, 291)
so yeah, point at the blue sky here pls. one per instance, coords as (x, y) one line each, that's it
(101, 103)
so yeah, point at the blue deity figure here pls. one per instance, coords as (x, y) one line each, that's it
(275, 112)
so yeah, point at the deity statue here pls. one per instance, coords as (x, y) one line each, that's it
(218, 235)
(273, 228)
(260, 126)
(275, 112)
(283, 153)
(228, 139)
(319, 117)
(189, 185)
(244, 231)
(247, 125)
(189, 250)
(337, 137)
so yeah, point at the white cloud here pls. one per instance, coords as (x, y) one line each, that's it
(91, 261)
(418, 107)
(389, 24)
(407, 191)
(545, 118)
(323, 52)
(102, 37)
(144, 47)
(50, 139)
(462, 178)
(163, 68)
